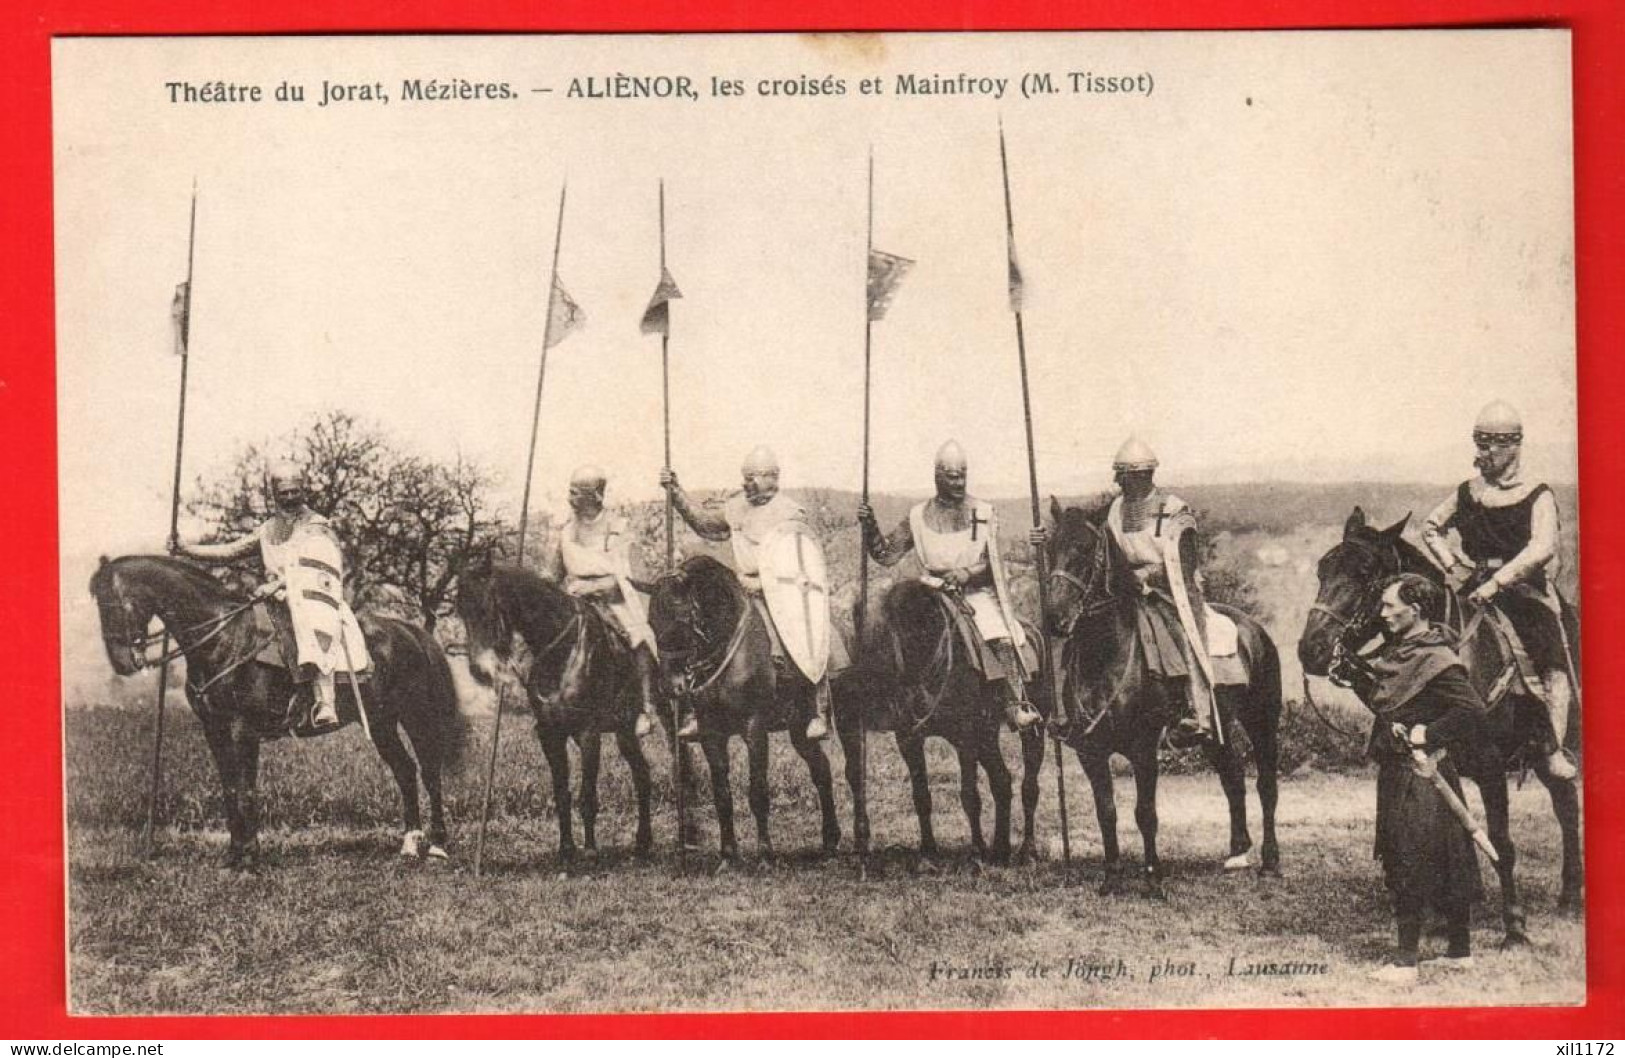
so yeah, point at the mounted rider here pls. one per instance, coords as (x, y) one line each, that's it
(956, 537)
(304, 567)
(1156, 532)
(1507, 529)
(593, 561)
(755, 520)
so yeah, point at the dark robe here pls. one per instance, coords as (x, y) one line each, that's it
(1428, 858)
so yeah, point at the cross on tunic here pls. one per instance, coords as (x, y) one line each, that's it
(975, 520)
(805, 585)
(1163, 514)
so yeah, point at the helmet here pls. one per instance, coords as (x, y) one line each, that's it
(286, 472)
(1498, 423)
(1134, 455)
(588, 477)
(950, 456)
(760, 461)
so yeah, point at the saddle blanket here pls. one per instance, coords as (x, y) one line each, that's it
(273, 630)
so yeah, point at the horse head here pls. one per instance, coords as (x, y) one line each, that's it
(690, 606)
(479, 605)
(125, 615)
(1082, 574)
(132, 591)
(1351, 574)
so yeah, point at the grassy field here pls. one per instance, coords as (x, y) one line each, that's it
(338, 923)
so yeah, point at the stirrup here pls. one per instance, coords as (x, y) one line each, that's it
(1187, 732)
(1021, 715)
(818, 729)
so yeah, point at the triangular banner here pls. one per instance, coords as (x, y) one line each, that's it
(657, 317)
(180, 314)
(886, 271)
(564, 316)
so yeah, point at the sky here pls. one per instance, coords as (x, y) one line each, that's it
(1306, 256)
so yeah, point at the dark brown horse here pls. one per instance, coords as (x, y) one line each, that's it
(1344, 618)
(1117, 705)
(242, 702)
(915, 679)
(715, 650)
(579, 677)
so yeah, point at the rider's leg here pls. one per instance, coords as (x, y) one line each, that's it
(1559, 695)
(818, 728)
(644, 659)
(1018, 712)
(326, 714)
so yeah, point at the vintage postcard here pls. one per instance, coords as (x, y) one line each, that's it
(826, 522)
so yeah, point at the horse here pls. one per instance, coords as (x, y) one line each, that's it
(580, 679)
(716, 651)
(915, 667)
(1118, 705)
(242, 701)
(1344, 618)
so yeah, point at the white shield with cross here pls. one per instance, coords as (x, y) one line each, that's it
(795, 584)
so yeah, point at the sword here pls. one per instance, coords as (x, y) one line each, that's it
(1427, 766)
(355, 682)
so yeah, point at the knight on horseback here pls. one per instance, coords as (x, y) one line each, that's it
(1156, 531)
(1507, 528)
(955, 536)
(749, 520)
(592, 560)
(303, 563)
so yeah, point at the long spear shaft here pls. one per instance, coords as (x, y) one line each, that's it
(860, 612)
(1042, 559)
(678, 756)
(524, 521)
(174, 521)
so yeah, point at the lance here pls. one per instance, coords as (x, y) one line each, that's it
(1040, 558)
(184, 324)
(678, 756)
(860, 611)
(524, 521)
(1427, 765)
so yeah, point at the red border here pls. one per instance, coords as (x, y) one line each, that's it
(32, 981)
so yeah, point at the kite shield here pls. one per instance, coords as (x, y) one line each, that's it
(795, 585)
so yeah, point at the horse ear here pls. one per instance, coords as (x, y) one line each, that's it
(1055, 509)
(102, 561)
(1356, 521)
(1393, 532)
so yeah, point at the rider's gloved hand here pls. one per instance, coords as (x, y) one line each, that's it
(955, 579)
(668, 478)
(1038, 536)
(866, 516)
(1486, 592)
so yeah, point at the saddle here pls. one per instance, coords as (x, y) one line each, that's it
(273, 631)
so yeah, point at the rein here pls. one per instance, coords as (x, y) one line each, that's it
(942, 657)
(687, 681)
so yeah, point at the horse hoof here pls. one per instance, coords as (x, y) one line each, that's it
(1238, 862)
(412, 844)
(1269, 870)
(1514, 941)
(438, 855)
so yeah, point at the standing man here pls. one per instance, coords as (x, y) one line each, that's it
(1508, 532)
(1427, 715)
(747, 519)
(303, 562)
(957, 539)
(593, 561)
(1156, 532)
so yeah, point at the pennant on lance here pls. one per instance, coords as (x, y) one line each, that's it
(886, 272)
(564, 315)
(657, 317)
(180, 314)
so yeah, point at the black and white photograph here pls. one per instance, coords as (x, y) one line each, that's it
(767, 522)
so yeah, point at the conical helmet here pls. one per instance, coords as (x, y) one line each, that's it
(1134, 455)
(286, 472)
(1499, 422)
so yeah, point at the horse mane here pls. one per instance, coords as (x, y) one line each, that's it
(196, 576)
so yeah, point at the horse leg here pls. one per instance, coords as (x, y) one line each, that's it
(591, 744)
(1565, 794)
(756, 747)
(248, 786)
(632, 752)
(818, 765)
(1097, 768)
(426, 745)
(557, 751)
(1267, 758)
(1226, 760)
(1497, 821)
(856, 782)
(912, 747)
(1145, 811)
(716, 756)
(217, 732)
(998, 782)
(386, 738)
(970, 797)
(1032, 764)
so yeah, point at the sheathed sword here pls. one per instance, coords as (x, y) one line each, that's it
(1427, 766)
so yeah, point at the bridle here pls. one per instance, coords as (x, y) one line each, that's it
(1099, 568)
(683, 667)
(139, 643)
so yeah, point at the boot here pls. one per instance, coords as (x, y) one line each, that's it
(646, 691)
(1559, 692)
(818, 729)
(326, 713)
(1018, 711)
